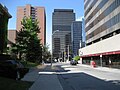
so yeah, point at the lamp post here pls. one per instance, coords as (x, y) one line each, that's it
(68, 52)
(51, 49)
(101, 60)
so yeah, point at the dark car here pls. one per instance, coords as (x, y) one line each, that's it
(12, 69)
(73, 62)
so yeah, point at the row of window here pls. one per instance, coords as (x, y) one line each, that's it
(87, 3)
(113, 21)
(61, 27)
(102, 3)
(90, 7)
(33, 11)
(111, 8)
(56, 44)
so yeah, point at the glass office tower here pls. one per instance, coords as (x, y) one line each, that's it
(61, 31)
(76, 34)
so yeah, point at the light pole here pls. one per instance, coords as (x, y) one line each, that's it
(69, 48)
(68, 52)
(101, 60)
(51, 49)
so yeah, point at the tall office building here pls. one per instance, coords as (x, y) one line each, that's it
(61, 30)
(35, 12)
(83, 31)
(102, 26)
(76, 35)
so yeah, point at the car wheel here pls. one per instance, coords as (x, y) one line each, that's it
(17, 75)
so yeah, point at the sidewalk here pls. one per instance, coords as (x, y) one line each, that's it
(44, 79)
(102, 68)
(32, 75)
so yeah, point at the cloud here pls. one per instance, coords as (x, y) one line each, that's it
(79, 18)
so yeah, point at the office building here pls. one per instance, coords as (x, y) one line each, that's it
(76, 35)
(12, 36)
(61, 31)
(4, 17)
(102, 26)
(83, 33)
(35, 12)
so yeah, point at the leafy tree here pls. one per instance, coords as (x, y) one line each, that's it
(45, 52)
(27, 41)
(34, 50)
(76, 58)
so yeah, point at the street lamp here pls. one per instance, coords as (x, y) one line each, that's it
(68, 52)
(68, 48)
(51, 49)
(101, 59)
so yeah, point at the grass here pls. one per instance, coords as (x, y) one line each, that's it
(10, 84)
(29, 64)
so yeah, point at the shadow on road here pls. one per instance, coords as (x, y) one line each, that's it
(75, 80)
(57, 68)
(83, 81)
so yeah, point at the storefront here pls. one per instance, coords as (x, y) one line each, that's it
(111, 59)
(104, 53)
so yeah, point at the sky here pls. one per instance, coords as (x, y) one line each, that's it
(50, 5)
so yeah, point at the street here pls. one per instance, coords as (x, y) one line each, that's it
(63, 76)
(86, 78)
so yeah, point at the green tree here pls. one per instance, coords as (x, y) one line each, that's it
(45, 52)
(27, 42)
(76, 58)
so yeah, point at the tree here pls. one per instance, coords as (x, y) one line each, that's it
(27, 42)
(45, 52)
(76, 58)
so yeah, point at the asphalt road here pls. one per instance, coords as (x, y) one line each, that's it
(86, 78)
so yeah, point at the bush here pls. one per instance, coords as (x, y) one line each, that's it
(77, 58)
(5, 57)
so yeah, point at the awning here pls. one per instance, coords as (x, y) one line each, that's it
(104, 53)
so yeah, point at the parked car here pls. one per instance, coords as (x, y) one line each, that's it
(73, 62)
(12, 69)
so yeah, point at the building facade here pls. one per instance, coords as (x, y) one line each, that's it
(61, 22)
(4, 17)
(102, 26)
(83, 33)
(12, 36)
(35, 13)
(76, 35)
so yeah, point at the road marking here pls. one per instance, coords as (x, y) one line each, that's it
(46, 72)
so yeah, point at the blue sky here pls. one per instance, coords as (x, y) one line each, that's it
(49, 5)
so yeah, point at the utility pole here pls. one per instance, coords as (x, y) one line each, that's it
(68, 52)
(101, 60)
(64, 54)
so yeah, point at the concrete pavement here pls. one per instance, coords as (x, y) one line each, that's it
(45, 77)
(114, 70)
(33, 75)
(47, 82)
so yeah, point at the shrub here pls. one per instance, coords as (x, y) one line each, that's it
(77, 58)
